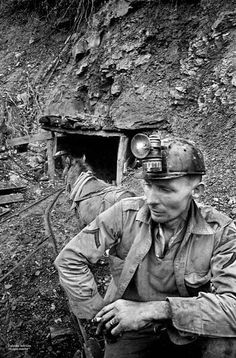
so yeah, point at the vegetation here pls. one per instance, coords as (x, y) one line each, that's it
(61, 13)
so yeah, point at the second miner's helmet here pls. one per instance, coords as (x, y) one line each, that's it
(167, 158)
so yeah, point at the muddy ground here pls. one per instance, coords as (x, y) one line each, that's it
(32, 304)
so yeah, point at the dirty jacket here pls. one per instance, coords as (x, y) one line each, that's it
(204, 266)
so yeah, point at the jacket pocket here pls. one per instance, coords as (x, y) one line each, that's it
(196, 282)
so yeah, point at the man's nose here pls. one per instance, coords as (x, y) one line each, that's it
(152, 197)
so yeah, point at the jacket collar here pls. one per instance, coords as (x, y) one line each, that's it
(198, 225)
(143, 214)
(196, 222)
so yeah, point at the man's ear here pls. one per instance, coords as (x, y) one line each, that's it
(198, 191)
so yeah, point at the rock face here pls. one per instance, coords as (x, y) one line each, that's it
(135, 65)
(151, 64)
(147, 64)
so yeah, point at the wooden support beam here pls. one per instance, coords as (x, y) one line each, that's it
(11, 198)
(101, 133)
(11, 189)
(50, 158)
(121, 158)
(41, 136)
(4, 211)
(55, 145)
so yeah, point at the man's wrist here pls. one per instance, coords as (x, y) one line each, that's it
(157, 310)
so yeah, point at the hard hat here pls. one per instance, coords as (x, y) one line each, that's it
(167, 158)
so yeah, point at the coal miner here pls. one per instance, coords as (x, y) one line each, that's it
(172, 261)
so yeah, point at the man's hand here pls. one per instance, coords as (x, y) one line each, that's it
(123, 315)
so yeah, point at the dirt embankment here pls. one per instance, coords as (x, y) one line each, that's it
(163, 65)
(33, 307)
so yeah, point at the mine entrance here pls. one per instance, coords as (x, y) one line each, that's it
(100, 152)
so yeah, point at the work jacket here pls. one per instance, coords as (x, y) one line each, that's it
(204, 266)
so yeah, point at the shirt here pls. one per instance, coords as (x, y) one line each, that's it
(154, 278)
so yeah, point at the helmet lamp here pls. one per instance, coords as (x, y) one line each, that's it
(149, 150)
(140, 146)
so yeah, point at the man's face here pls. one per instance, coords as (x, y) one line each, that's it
(168, 199)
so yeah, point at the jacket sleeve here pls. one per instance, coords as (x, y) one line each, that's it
(87, 248)
(212, 314)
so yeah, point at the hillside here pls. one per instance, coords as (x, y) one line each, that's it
(130, 65)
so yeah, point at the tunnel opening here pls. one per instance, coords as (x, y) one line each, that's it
(100, 152)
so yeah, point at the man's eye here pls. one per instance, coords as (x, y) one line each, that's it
(166, 190)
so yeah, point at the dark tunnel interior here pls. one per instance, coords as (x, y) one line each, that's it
(100, 152)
